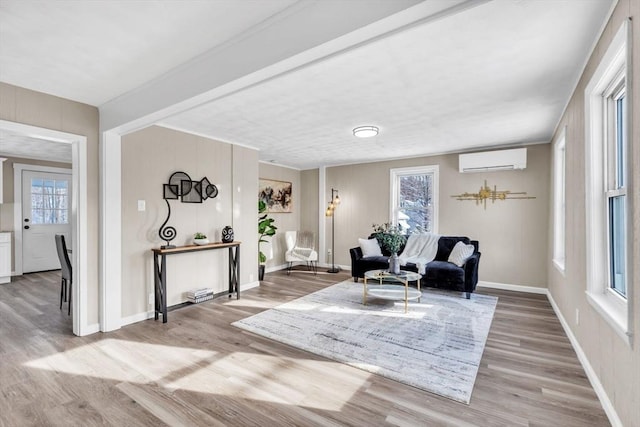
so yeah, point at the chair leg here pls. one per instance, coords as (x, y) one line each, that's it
(315, 267)
(70, 293)
(63, 288)
(289, 268)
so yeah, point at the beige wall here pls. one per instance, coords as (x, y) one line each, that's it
(615, 363)
(38, 109)
(514, 250)
(149, 157)
(6, 208)
(309, 204)
(284, 221)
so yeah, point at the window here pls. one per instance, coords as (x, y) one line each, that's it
(414, 198)
(616, 192)
(608, 234)
(559, 212)
(49, 201)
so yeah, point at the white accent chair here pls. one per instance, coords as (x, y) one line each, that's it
(297, 254)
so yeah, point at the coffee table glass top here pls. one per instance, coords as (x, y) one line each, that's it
(409, 276)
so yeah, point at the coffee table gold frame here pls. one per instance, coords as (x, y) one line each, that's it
(404, 278)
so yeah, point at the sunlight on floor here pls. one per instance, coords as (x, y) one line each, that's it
(243, 375)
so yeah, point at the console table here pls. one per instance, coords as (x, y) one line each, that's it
(160, 270)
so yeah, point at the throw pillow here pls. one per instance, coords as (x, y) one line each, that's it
(370, 247)
(460, 253)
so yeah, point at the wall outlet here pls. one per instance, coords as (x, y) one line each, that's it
(142, 205)
(577, 316)
(151, 299)
(328, 251)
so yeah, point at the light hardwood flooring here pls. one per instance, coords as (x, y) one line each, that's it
(198, 370)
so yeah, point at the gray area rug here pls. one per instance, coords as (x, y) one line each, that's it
(436, 346)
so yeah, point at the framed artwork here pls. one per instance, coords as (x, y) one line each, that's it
(277, 195)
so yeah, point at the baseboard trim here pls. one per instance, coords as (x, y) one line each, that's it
(137, 318)
(515, 288)
(614, 419)
(250, 285)
(91, 329)
(151, 314)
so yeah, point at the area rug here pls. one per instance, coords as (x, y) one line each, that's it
(436, 346)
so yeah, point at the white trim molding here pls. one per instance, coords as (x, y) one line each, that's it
(614, 419)
(79, 215)
(515, 288)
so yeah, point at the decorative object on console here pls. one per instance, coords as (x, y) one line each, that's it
(200, 239)
(181, 186)
(330, 212)
(277, 195)
(485, 193)
(227, 234)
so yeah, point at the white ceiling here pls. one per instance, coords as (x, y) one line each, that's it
(495, 74)
(13, 144)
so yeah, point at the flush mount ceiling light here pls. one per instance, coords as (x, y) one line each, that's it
(365, 131)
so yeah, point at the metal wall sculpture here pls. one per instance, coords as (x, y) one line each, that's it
(485, 193)
(180, 186)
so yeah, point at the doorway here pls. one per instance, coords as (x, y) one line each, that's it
(77, 216)
(46, 202)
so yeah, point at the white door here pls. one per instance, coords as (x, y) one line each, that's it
(46, 211)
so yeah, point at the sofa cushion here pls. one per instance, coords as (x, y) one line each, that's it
(460, 254)
(370, 247)
(446, 244)
(379, 258)
(444, 274)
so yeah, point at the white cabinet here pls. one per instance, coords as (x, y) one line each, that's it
(5, 257)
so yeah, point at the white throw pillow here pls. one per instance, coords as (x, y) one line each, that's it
(460, 253)
(370, 247)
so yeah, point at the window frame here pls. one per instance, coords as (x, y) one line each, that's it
(559, 201)
(396, 173)
(604, 84)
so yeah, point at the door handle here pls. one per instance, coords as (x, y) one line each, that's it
(26, 220)
(26, 227)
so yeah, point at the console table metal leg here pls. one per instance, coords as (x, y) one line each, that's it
(163, 280)
(234, 272)
(156, 285)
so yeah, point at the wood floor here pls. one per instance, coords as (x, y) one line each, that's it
(198, 370)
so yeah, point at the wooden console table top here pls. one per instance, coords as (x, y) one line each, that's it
(192, 248)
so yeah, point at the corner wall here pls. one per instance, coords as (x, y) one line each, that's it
(149, 157)
(616, 365)
(50, 112)
(284, 221)
(512, 233)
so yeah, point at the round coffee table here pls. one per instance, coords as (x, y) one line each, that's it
(391, 286)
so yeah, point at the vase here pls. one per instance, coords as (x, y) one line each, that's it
(227, 234)
(394, 264)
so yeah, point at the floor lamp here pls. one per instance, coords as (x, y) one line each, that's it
(335, 201)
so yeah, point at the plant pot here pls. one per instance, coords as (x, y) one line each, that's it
(261, 272)
(201, 241)
(394, 264)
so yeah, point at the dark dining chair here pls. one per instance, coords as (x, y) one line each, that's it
(66, 271)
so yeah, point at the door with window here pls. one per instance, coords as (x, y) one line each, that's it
(46, 211)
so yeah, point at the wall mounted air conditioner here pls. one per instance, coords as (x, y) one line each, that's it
(489, 161)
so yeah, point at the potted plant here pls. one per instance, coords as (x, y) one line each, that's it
(265, 229)
(391, 239)
(200, 239)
